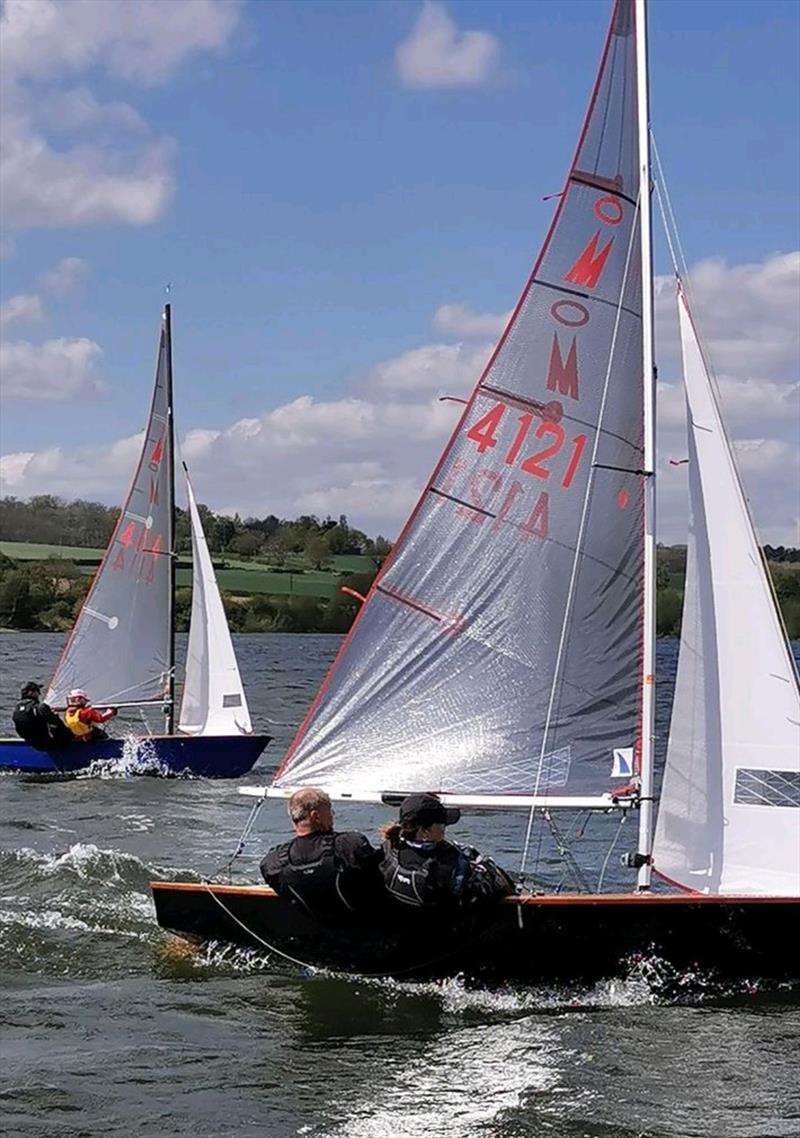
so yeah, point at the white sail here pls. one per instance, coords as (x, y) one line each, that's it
(729, 816)
(120, 649)
(213, 701)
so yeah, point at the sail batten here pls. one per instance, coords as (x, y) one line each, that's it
(120, 647)
(729, 814)
(452, 674)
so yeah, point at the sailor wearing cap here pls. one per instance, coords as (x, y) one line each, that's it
(36, 722)
(421, 868)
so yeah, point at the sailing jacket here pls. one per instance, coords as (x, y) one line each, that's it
(81, 721)
(39, 725)
(329, 875)
(440, 873)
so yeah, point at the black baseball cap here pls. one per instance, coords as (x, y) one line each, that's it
(31, 686)
(425, 810)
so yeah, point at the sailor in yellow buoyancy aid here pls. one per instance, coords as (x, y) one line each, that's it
(83, 720)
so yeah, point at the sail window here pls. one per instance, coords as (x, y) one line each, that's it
(234, 700)
(756, 787)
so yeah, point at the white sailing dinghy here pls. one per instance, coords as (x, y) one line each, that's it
(505, 656)
(122, 647)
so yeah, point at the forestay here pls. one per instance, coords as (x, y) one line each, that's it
(729, 815)
(213, 702)
(455, 676)
(119, 649)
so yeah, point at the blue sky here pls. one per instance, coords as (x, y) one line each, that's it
(313, 205)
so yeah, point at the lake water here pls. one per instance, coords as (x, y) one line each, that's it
(105, 1033)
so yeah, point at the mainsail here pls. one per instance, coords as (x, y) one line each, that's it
(500, 650)
(120, 647)
(729, 813)
(213, 702)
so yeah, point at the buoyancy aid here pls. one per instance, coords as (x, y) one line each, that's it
(317, 884)
(29, 725)
(424, 884)
(79, 729)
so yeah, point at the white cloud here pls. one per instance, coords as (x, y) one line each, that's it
(747, 315)
(142, 41)
(437, 54)
(368, 453)
(56, 370)
(78, 109)
(65, 276)
(460, 320)
(96, 176)
(20, 309)
(448, 369)
(747, 318)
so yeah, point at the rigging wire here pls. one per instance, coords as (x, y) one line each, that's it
(579, 542)
(565, 852)
(610, 851)
(244, 837)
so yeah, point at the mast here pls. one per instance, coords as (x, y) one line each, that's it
(648, 378)
(169, 711)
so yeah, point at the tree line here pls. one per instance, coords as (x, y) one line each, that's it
(47, 595)
(48, 520)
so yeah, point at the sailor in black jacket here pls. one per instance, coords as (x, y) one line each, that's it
(421, 868)
(329, 874)
(37, 723)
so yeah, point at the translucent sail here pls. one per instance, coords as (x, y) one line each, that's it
(456, 676)
(119, 650)
(729, 815)
(213, 702)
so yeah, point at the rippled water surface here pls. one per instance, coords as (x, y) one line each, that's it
(107, 1031)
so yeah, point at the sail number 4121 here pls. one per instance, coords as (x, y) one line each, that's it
(535, 462)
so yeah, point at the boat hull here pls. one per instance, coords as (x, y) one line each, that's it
(535, 939)
(206, 756)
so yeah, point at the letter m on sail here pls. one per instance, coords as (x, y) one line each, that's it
(588, 267)
(562, 375)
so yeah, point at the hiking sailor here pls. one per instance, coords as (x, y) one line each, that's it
(83, 720)
(330, 874)
(421, 868)
(37, 723)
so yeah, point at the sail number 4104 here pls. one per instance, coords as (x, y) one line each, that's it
(535, 462)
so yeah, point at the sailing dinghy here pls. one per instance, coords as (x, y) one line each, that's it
(505, 655)
(122, 647)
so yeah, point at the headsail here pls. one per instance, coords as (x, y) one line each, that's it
(213, 702)
(729, 813)
(499, 651)
(120, 647)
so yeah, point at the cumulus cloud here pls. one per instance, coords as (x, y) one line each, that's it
(23, 309)
(55, 370)
(444, 368)
(65, 276)
(747, 319)
(460, 320)
(68, 159)
(369, 452)
(747, 315)
(437, 54)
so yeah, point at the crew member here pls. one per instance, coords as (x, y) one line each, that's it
(84, 720)
(421, 868)
(329, 874)
(37, 723)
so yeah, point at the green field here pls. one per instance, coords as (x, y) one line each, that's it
(241, 578)
(31, 551)
(246, 582)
